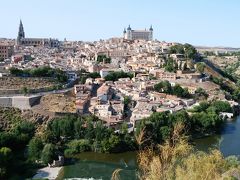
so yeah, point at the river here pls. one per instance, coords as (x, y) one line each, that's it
(101, 166)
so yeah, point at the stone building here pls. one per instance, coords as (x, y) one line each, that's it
(22, 40)
(6, 50)
(130, 34)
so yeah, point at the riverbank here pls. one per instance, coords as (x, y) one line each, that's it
(50, 173)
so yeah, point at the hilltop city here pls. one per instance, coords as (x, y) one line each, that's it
(106, 74)
(103, 92)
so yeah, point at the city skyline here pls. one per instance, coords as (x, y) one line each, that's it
(92, 20)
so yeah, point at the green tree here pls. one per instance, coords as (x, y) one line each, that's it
(200, 67)
(163, 86)
(201, 93)
(112, 144)
(94, 75)
(170, 65)
(222, 106)
(114, 76)
(179, 91)
(35, 148)
(5, 161)
(79, 129)
(5, 155)
(103, 58)
(124, 128)
(190, 51)
(77, 146)
(48, 153)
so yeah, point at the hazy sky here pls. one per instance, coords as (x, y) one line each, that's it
(199, 22)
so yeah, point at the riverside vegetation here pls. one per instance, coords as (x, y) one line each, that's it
(176, 159)
(22, 147)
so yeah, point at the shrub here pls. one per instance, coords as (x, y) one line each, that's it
(77, 146)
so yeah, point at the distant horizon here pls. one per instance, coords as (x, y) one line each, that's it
(202, 23)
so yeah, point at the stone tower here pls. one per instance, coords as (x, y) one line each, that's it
(129, 32)
(21, 33)
(151, 33)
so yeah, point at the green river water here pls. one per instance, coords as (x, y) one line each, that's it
(92, 166)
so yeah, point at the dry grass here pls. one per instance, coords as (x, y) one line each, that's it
(176, 160)
(160, 163)
(30, 83)
(202, 166)
(58, 103)
(115, 175)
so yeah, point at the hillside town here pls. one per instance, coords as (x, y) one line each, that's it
(117, 79)
(119, 90)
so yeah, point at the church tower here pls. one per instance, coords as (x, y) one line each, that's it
(151, 33)
(21, 33)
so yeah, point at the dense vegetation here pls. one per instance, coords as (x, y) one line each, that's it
(114, 76)
(87, 133)
(231, 91)
(21, 147)
(170, 65)
(165, 87)
(40, 72)
(201, 120)
(13, 143)
(188, 50)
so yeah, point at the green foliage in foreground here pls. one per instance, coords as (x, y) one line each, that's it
(13, 143)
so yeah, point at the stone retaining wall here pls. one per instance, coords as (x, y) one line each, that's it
(5, 102)
(21, 102)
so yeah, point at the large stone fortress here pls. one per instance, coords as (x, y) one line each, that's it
(130, 34)
(22, 40)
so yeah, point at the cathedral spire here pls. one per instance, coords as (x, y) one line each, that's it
(21, 33)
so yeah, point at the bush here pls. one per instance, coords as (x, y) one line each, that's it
(48, 153)
(104, 58)
(77, 146)
(114, 76)
(41, 72)
(35, 149)
(222, 106)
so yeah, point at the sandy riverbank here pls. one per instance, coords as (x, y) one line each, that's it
(50, 173)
